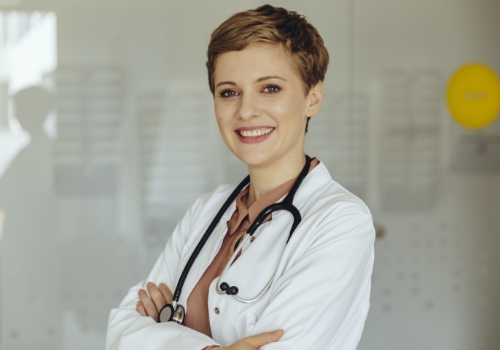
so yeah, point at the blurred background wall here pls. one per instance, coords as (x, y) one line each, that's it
(109, 108)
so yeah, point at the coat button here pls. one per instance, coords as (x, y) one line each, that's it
(252, 239)
(217, 311)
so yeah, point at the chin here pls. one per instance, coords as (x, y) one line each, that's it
(254, 158)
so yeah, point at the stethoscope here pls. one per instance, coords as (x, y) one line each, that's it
(175, 312)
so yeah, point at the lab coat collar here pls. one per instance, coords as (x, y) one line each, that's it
(317, 178)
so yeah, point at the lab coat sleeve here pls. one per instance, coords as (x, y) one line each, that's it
(322, 300)
(128, 330)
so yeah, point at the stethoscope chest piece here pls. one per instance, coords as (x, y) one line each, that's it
(172, 312)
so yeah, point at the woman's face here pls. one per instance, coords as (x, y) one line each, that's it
(261, 104)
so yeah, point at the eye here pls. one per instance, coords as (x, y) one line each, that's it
(228, 93)
(272, 89)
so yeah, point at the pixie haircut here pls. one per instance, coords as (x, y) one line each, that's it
(273, 25)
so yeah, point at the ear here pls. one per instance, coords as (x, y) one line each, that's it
(314, 99)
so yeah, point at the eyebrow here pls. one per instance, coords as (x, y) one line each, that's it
(267, 77)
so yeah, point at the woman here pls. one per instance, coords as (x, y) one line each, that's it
(266, 69)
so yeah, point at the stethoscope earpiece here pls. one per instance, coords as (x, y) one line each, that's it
(224, 286)
(229, 290)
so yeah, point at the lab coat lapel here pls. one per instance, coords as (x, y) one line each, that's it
(261, 258)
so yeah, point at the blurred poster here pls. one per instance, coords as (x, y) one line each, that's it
(409, 145)
(176, 166)
(89, 120)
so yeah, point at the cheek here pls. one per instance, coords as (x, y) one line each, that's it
(288, 110)
(279, 108)
(224, 123)
(219, 116)
(222, 110)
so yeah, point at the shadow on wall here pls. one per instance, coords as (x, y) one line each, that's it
(31, 107)
(29, 253)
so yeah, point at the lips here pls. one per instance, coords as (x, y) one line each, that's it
(254, 134)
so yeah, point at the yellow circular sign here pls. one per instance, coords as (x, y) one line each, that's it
(473, 95)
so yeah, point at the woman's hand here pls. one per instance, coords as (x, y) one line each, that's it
(159, 298)
(151, 306)
(255, 342)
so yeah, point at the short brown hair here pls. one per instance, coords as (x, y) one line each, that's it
(274, 25)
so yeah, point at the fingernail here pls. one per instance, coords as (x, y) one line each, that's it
(142, 291)
(150, 284)
(163, 286)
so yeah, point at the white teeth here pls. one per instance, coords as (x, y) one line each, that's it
(253, 133)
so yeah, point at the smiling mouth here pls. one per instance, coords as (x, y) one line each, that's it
(255, 133)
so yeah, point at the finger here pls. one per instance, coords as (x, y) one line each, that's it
(156, 296)
(264, 338)
(167, 294)
(149, 306)
(140, 308)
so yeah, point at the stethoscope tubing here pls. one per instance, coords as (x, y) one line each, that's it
(206, 236)
(286, 204)
(259, 220)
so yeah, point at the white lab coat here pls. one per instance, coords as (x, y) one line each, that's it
(320, 295)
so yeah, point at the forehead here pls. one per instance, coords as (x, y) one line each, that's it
(255, 61)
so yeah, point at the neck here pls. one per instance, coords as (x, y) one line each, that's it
(264, 179)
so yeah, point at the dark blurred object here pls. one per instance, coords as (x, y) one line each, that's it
(379, 230)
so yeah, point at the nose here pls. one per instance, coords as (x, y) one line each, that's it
(248, 107)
